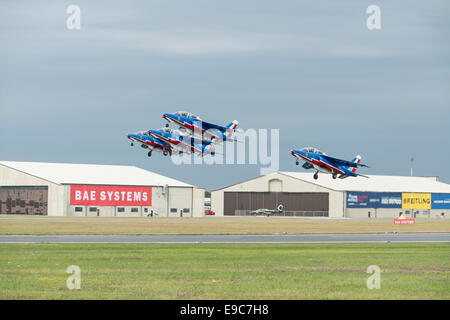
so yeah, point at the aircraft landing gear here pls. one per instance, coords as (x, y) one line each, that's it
(150, 153)
(297, 163)
(334, 175)
(132, 144)
(167, 125)
(316, 175)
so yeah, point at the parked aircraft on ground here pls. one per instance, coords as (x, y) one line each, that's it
(267, 212)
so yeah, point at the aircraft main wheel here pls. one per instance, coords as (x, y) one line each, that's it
(132, 144)
(167, 125)
(316, 176)
(165, 152)
(296, 162)
(334, 175)
(149, 153)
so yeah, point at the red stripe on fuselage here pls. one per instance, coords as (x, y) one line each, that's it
(192, 127)
(321, 164)
(175, 142)
(150, 143)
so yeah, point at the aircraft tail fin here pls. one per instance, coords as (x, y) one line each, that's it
(357, 159)
(231, 128)
(233, 125)
(280, 208)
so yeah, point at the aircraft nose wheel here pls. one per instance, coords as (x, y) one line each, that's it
(165, 152)
(297, 163)
(167, 125)
(316, 176)
(334, 175)
(132, 144)
(149, 153)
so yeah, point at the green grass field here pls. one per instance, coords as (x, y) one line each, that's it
(225, 271)
(212, 225)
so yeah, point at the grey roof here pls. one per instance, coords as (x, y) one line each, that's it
(69, 173)
(375, 183)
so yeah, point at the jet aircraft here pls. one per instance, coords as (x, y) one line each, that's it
(195, 126)
(149, 142)
(267, 212)
(182, 143)
(321, 162)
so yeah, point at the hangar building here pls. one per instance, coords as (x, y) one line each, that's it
(301, 195)
(62, 189)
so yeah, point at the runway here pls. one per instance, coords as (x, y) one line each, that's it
(276, 238)
(226, 218)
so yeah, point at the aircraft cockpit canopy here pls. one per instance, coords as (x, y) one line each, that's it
(142, 133)
(186, 114)
(170, 130)
(312, 150)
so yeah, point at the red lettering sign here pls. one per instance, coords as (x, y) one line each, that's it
(110, 196)
(404, 221)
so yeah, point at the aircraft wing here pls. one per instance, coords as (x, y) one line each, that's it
(208, 125)
(162, 143)
(342, 162)
(184, 147)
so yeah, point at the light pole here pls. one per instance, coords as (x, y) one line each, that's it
(412, 161)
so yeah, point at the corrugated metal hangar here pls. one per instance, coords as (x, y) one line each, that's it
(301, 195)
(62, 189)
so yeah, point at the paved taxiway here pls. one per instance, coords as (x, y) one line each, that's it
(276, 238)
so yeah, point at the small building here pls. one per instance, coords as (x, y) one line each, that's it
(302, 195)
(63, 189)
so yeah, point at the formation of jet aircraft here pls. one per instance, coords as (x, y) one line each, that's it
(195, 135)
(200, 137)
(314, 158)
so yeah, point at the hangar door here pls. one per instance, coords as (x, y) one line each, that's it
(24, 200)
(295, 203)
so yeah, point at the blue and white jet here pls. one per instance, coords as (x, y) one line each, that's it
(318, 160)
(149, 142)
(182, 143)
(196, 126)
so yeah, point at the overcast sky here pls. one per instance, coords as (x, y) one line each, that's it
(311, 69)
